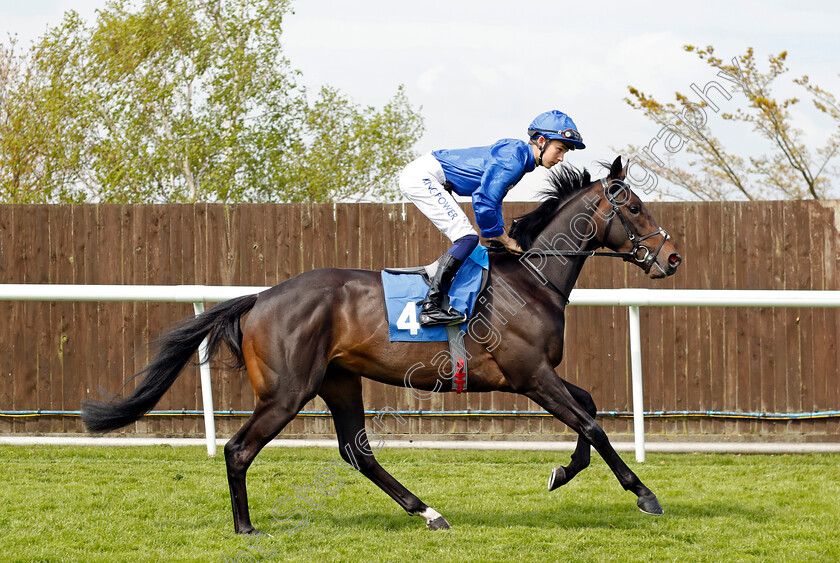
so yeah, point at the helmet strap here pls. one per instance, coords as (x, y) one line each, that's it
(542, 151)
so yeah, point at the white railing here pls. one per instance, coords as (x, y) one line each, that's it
(195, 294)
(632, 298)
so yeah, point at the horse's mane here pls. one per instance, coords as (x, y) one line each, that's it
(564, 182)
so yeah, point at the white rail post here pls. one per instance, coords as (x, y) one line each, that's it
(636, 378)
(206, 391)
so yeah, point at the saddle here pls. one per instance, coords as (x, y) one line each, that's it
(405, 288)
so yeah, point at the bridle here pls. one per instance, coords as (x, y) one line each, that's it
(647, 258)
(640, 253)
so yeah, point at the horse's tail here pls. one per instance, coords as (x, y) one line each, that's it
(175, 348)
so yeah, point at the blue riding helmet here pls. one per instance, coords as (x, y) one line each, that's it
(557, 125)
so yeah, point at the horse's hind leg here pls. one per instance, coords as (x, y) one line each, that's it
(342, 392)
(265, 423)
(281, 390)
(582, 455)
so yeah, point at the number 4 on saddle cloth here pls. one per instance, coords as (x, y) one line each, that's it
(405, 289)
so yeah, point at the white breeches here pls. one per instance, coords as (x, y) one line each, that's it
(422, 183)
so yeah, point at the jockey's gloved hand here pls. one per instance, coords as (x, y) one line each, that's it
(494, 245)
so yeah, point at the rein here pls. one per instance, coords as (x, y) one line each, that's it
(645, 260)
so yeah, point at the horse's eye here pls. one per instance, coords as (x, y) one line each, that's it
(634, 209)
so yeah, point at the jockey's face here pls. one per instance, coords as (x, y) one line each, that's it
(555, 150)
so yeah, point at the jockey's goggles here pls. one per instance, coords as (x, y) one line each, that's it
(564, 134)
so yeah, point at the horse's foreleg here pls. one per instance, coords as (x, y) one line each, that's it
(551, 394)
(581, 456)
(343, 394)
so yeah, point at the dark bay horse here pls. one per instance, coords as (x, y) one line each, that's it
(320, 332)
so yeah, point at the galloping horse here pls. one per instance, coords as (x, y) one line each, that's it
(320, 332)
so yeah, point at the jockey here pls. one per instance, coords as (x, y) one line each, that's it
(486, 174)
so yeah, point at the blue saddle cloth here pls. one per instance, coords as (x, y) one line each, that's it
(404, 292)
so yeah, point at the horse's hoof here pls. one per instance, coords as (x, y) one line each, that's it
(650, 505)
(438, 523)
(557, 478)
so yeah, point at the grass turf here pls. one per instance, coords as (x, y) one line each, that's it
(171, 504)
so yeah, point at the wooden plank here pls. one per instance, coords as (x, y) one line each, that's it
(283, 267)
(349, 235)
(26, 386)
(793, 339)
(269, 253)
(323, 247)
(217, 273)
(251, 221)
(730, 317)
(657, 322)
(653, 368)
(298, 215)
(17, 320)
(134, 319)
(307, 238)
(142, 330)
(712, 319)
(97, 271)
(196, 273)
(748, 346)
(239, 395)
(764, 352)
(178, 226)
(678, 316)
(188, 252)
(701, 228)
(39, 333)
(823, 371)
(378, 222)
(683, 334)
(57, 313)
(8, 310)
(807, 390)
(85, 254)
(157, 238)
(778, 369)
(251, 234)
(110, 264)
(831, 281)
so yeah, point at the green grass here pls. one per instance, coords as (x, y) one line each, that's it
(171, 504)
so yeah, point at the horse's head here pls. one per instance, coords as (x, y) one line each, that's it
(580, 216)
(630, 229)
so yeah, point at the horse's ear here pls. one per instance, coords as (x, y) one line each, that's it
(616, 170)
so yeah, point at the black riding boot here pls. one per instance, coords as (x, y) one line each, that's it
(432, 313)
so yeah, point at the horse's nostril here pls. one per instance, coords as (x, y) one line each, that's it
(674, 260)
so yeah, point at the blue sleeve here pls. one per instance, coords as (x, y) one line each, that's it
(487, 199)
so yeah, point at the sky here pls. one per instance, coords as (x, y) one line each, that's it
(482, 70)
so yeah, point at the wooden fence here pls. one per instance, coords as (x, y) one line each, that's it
(746, 360)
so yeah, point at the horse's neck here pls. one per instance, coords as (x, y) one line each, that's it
(564, 271)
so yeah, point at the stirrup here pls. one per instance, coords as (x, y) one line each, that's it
(437, 316)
